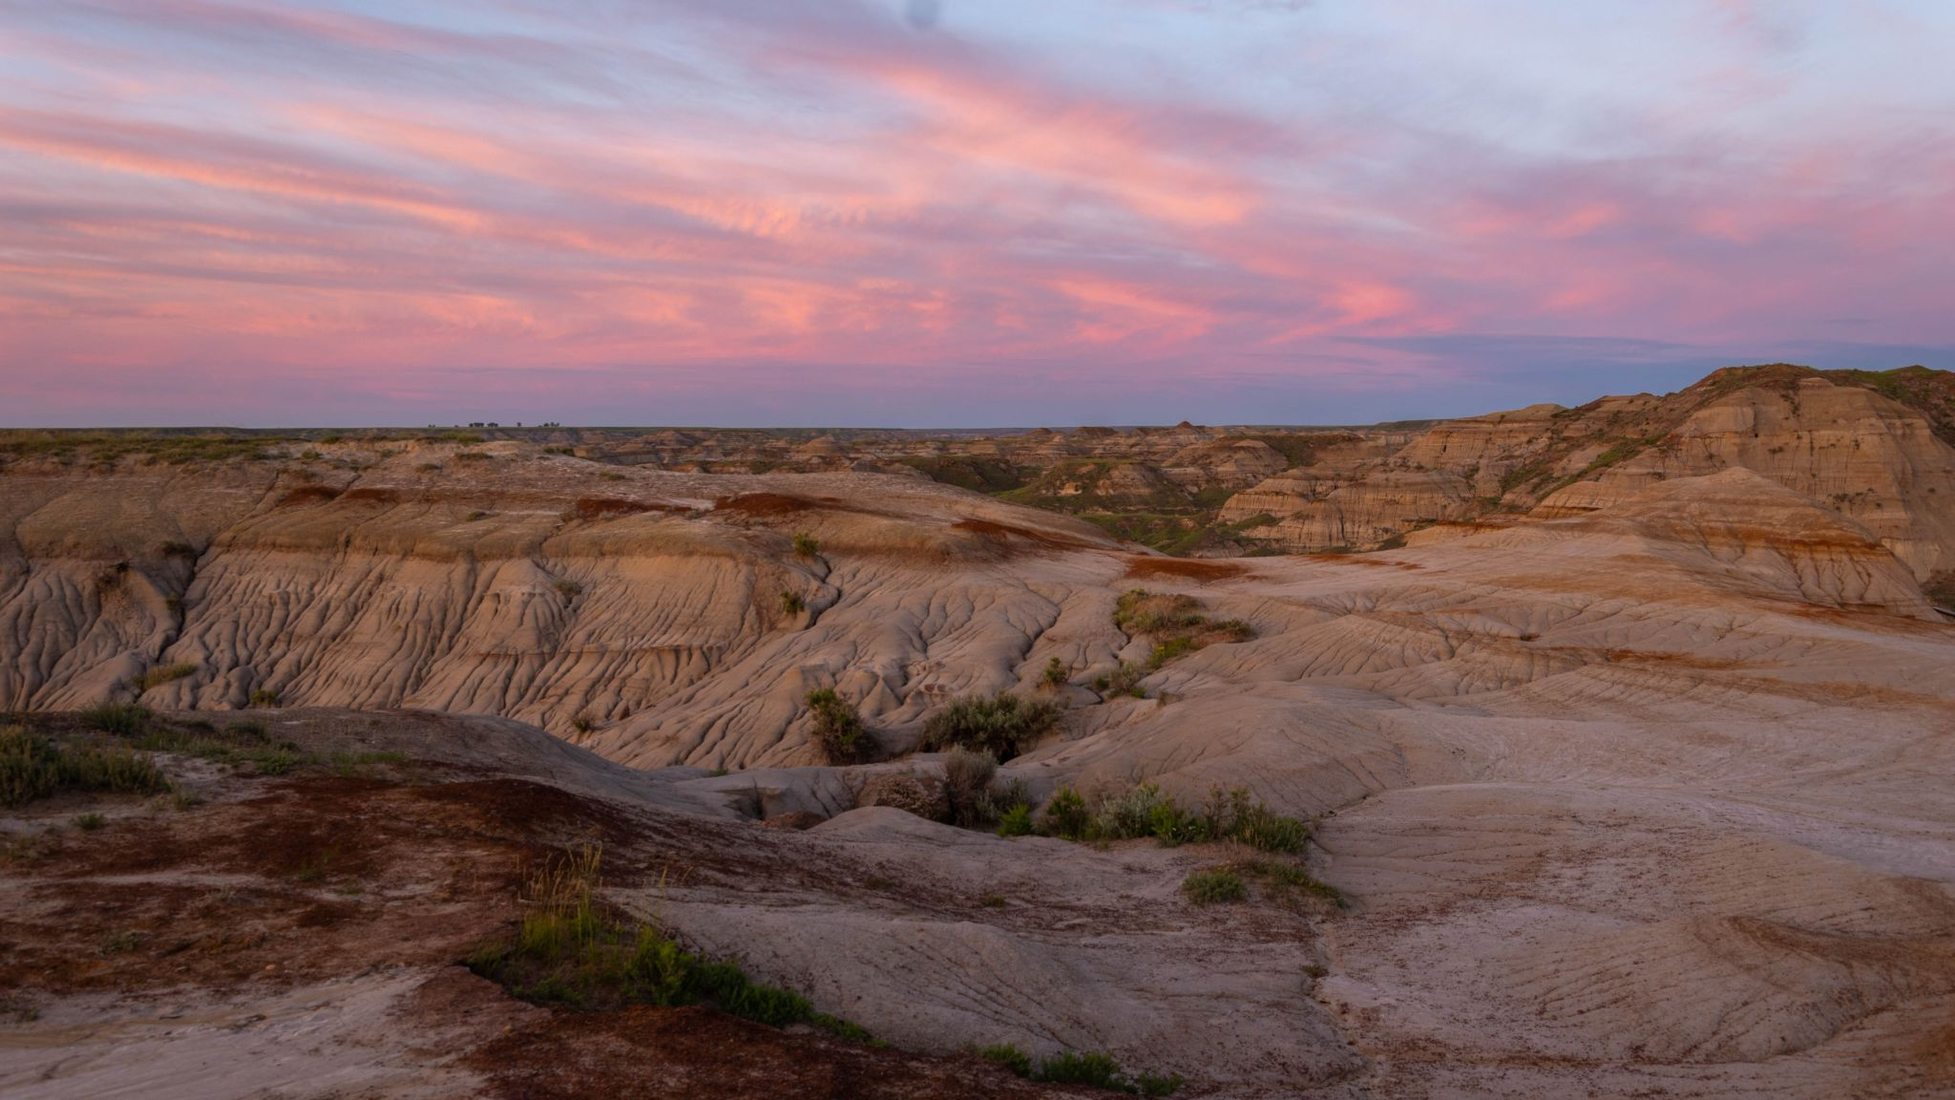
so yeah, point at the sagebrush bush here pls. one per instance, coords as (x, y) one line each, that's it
(1148, 811)
(1003, 724)
(805, 546)
(1066, 814)
(839, 729)
(967, 786)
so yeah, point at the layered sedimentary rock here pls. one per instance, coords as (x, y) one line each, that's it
(1874, 448)
(1642, 792)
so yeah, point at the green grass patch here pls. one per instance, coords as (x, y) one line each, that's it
(1176, 623)
(1216, 886)
(1090, 1068)
(122, 719)
(34, 766)
(570, 950)
(1288, 881)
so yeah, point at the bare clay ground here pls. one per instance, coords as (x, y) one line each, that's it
(300, 935)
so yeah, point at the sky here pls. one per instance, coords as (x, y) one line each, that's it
(936, 213)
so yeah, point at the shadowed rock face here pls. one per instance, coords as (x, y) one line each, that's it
(1641, 790)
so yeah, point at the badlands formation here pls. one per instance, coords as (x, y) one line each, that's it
(1627, 758)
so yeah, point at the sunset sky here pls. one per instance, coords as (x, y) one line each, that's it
(967, 212)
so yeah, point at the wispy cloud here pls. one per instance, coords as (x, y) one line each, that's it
(908, 212)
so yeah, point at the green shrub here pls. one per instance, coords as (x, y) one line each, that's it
(1124, 680)
(1066, 814)
(839, 728)
(88, 823)
(1016, 821)
(1213, 887)
(265, 698)
(1129, 814)
(805, 546)
(1002, 725)
(1056, 673)
(33, 766)
(1172, 825)
(1147, 811)
(967, 786)
(1236, 815)
(792, 603)
(1164, 652)
(1090, 1068)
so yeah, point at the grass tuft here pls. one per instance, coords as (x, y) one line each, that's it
(1090, 1068)
(1216, 886)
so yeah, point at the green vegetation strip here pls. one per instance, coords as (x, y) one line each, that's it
(1087, 1068)
(1147, 811)
(34, 766)
(571, 951)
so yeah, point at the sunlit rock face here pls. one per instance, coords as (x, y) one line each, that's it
(1878, 453)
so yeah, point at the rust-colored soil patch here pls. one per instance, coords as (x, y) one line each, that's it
(697, 1052)
(596, 508)
(1005, 532)
(1194, 569)
(308, 494)
(765, 505)
(279, 885)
